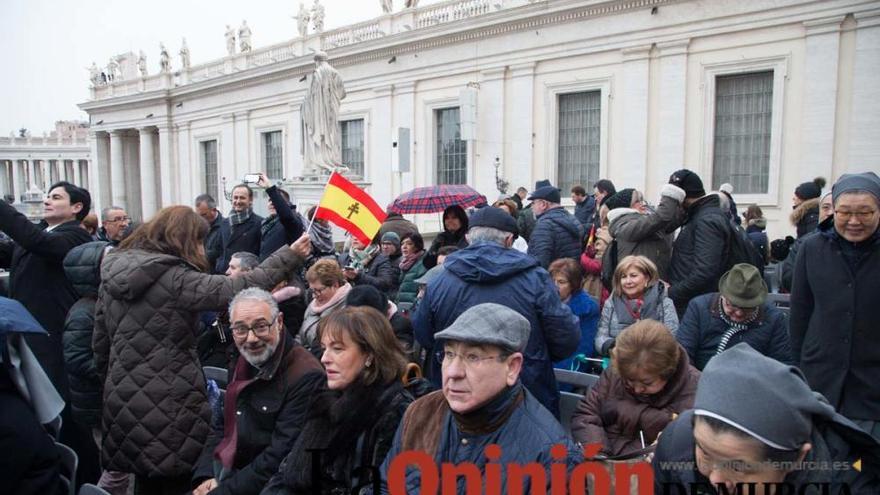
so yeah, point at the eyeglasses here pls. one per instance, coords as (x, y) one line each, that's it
(860, 215)
(118, 219)
(260, 329)
(317, 291)
(470, 360)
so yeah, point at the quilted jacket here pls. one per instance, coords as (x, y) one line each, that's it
(156, 415)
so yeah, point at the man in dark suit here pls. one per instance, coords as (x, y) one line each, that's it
(243, 233)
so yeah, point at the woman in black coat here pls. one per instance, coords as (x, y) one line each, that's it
(455, 226)
(351, 424)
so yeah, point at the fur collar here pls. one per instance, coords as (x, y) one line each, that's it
(802, 209)
(619, 212)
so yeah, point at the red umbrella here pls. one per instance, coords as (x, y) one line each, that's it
(431, 199)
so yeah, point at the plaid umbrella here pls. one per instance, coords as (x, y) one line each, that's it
(431, 199)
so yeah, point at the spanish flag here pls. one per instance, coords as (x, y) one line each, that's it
(349, 207)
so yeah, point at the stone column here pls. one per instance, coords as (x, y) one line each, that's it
(670, 114)
(226, 160)
(148, 173)
(187, 172)
(378, 135)
(166, 165)
(17, 183)
(404, 116)
(864, 139)
(632, 169)
(519, 138)
(820, 97)
(94, 183)
(5, 187)
(490, 133)
(243, 163)
(45, 168)
(32, 174)
(77, 176)
(117, 171)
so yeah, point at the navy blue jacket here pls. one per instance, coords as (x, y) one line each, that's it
(557, 234)
(487, 272)
(702, 329)
(584, 211)
(214, 241)
(243, 237)
(286, 230)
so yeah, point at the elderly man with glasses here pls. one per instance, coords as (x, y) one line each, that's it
(114, 225)
(265, 401)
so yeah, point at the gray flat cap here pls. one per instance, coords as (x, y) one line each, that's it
(492, 324)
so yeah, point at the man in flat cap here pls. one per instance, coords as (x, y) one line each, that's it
(557, 234)
(482, 402)
(757, 428)
(834, 295)
(488, 270)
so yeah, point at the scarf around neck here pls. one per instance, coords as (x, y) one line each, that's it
(407, 262)
(648, 307)
(360, 258)
(493, 414)
(321, 237)
(238, 218)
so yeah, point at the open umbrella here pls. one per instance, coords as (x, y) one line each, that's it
(432, 199)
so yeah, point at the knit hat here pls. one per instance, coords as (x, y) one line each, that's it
(743, 286)
(546, 192)
(367, 295)
(494, 217)
(865, 181)
(726, 188)
(810, 190)
(489, 323)
(689, 181)
(391, 237)
(768, 400)
(621, 199)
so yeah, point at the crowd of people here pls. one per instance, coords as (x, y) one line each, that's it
(341, 362)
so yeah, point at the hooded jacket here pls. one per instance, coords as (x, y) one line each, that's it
(448, 238)
(156, 413)
(805, 217)
(83, 268)
(557, 234)
(488, 272)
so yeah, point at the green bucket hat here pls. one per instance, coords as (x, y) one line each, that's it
(743, 286)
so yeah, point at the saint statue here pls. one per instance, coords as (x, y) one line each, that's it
(142, 63)
(322, 146)
(230, 40)
(318, 16)
(302, 20)
(164, 59)
(387, 6)
(112, 69)
(94, 75)
(184, 55)
(244, 37)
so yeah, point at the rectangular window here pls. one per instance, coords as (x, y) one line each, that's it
(273, 158)
(209, 159)
(578, 139)
(353, 145)
(743, 108)
(451, 150)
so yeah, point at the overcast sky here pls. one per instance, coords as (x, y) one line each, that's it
(48, 44)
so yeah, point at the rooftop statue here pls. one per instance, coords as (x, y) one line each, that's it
(142, 64)
(244, 37)
(184, 55)
(318, 16)
(230, 40)
(302, 20)
(164, 59)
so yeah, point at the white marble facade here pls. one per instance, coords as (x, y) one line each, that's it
(653, 62)
(29, 165)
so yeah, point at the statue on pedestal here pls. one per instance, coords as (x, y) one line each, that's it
(184, 55)
(112, 69)
(244, 37)
(164, 59)
(230, 40)
(142, 64)
(318, 16)
(387, 6)
(94, 75)
(322, 146)
(302, 21)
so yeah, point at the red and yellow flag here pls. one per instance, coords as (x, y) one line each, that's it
(349, 207)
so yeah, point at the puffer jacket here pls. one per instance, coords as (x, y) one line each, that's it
(702, 331)
(648, 235)
(587, 311)
(156, 415)
(557, 234)
(379, 273)
(409, 289)
(699, 254)
(525, 436)
(82, 265)
(612, 415)
(805, 217)
(612, 322)
(488, 272)
(584, 211)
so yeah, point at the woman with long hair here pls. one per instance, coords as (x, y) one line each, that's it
(156, 414)
(352, 423)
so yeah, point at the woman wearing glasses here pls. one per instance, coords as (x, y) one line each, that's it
(327, 288)
(737, 313)
(352, 423)
(156, 413)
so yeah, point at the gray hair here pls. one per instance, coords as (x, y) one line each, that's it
(207, 199)
(487, 234)
(255, 294)
(105, 213)
(247, 261)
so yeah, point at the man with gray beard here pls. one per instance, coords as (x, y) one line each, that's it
(265, 402)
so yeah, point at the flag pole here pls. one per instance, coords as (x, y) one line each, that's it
(315, 213)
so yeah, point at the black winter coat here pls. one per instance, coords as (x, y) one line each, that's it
(214, 241)
(834, 331)
(269, 414)
(38, 282)
(284, 230)
(83, 268)
(699, 254)
(557, 234)
(380, 273)
(242, 237)
(805, 217)
(701, 331)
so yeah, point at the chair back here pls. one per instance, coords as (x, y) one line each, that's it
(568, 403)
(219, 375)
(69, 464)
(580, 382)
